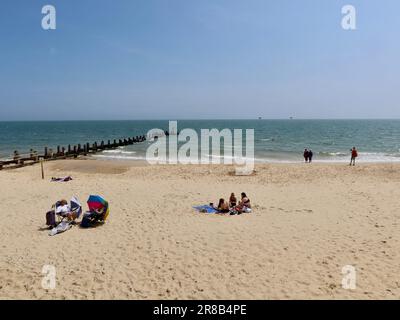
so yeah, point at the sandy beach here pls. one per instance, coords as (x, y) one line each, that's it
(308, 221)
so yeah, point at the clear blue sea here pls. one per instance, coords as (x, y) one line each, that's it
(275, 140)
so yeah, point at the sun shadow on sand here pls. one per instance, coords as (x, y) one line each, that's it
(44, 229)
(93, 225)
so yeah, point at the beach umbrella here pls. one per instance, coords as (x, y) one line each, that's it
(98, 204)
(76, 206)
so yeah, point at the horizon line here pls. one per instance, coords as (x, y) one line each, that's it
(189, 119)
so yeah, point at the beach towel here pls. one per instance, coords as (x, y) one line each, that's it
(64, 179)
(205, 209)
(61, 227)
(247, 210)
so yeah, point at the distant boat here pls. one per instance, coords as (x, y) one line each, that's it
(291, 118)
(259, 118)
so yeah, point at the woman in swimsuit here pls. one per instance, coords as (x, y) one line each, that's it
(232, 201)
(223, 206)
(244, 203)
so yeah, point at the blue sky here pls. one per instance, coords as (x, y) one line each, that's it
(177, 59)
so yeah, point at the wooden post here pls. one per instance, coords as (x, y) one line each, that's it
(16, 156)
(46, 153)
(41, 165)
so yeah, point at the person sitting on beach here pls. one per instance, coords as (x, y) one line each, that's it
(244, 204)
(305, 155)
(232, 201)
(223, 206)
(354, 155)
(64, 210)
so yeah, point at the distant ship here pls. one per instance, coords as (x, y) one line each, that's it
(259, 118)
(291, 118)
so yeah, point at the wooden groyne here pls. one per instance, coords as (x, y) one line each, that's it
(71, 151)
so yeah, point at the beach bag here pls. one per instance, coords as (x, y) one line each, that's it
(87, 220)
(51, 218)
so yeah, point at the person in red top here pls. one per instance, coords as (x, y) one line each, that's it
(354, 155)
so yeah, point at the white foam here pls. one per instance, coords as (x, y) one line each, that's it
(328, 157)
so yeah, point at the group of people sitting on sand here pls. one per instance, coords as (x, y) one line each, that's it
(233, 206)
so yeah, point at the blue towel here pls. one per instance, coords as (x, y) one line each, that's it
(206, 208)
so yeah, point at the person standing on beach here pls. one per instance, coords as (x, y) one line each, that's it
(305, 155)
(354, 155)
(310, 155)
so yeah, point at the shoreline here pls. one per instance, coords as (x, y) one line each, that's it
(122, 164)
(257, 162)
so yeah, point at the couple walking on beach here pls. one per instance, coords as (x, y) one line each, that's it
(308, 154)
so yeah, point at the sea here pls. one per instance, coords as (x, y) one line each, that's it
(274, 140)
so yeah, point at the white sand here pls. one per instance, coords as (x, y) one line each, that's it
(308, 222)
